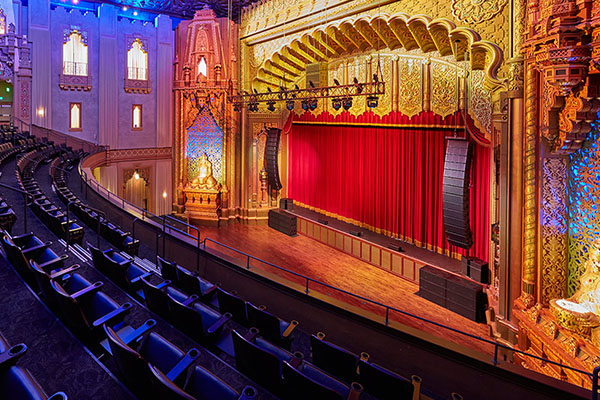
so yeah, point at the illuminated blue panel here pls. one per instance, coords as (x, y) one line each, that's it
(204, 136)
(584, 199)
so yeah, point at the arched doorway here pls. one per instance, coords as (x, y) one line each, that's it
(136, 190)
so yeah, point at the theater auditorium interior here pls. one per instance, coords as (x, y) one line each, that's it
(299, 199)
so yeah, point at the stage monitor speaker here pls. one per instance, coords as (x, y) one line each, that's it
(456, 192)
(271, 153)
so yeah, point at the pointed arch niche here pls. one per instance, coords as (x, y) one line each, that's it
(204, 136)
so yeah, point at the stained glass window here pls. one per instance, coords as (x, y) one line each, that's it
(204, 136)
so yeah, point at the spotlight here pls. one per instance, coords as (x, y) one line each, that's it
(271, 106)
(305, 105)
(252, 107)
(135, 13)
(311, 84)
(375, 78)
(372, 101)
(289, 105)
(347, 103)
(124, 8)
(337, 83)
(237, 107)
(336, 103)
(312, 103)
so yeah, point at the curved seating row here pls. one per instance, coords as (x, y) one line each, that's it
(110, 231)
(17, 383)
(51, 215)
(92, 315)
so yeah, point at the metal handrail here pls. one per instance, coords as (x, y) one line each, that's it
(495, 361)
(24, 193)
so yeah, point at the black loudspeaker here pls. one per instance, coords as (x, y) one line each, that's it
(271, 152)
(456, 193)
(282, 221)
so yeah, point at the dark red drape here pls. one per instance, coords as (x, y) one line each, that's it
(385, 174)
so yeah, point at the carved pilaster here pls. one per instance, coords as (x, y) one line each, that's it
(530, 188)
(554, 230)
(515, 77)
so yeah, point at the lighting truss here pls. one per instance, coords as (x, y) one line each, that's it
(369, 89)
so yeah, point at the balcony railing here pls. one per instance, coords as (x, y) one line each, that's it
(75, 68)
(137, 73)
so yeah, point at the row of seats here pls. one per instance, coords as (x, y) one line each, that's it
(17, 383)
(51, 215)
(110, 231)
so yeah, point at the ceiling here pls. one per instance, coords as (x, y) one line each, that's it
(185, 8)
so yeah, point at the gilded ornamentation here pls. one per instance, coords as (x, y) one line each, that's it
(515, 76)
(476, 11)
(530, 181)
(385, 101)
(551, 330)
(554, 217)
(533, 313)
(410, 79)
(480, 105)
(443, 88)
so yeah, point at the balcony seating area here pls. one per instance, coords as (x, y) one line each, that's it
(16, 382)
(104, 301)
(110, 231)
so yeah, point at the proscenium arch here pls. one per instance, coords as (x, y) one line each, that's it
(357, 35)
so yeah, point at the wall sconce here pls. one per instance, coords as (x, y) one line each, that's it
(40, 112)
(136, 176)
(164, 194)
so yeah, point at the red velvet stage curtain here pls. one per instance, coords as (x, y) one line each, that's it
(386, 178)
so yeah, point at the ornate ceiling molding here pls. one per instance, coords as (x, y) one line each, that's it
(350, 36)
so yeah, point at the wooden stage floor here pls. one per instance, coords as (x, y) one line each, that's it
(308, 257)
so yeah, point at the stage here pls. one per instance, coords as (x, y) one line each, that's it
(320, 261)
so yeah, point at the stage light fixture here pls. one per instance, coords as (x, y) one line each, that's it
(336, 103)
(372, 101)
(347, 103)
(312, 103)
(289, 105)
(305, 105)
(271, 106)
(237, 107)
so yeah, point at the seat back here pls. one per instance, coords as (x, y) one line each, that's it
(229, 302)
(257, 363)
(69, 308)
(98, 258)
(43, 280)
(334, 359)
(17, 383)
(163, 388)
(298, 386)
(382, 383)
(156, 299)
(204, 385)
(17, 259)
(130, 364)
(185, 317)
(188, 281)
(168, 270)
(267, 323)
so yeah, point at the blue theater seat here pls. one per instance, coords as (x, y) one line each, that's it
(44, 277)
(118, 268)
(132, 362)
(306, 381)
(382, 383)
(201, 385)
(270, 326)
(333, 359)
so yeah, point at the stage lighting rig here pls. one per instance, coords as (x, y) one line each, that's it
(372, 101)
(271, 106)
(340, 95)
(336, 103)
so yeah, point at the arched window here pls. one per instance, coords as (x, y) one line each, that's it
(202, 67)
(136, 114)
(75, 55)
(137, 61)
(75, 116)
(2, 22)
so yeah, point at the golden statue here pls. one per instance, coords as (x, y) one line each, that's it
(581, 312)
(205, 179)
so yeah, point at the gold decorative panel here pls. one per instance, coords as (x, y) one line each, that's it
(410, 80)
(443, 88)
(554, 217)
(385, 101)
(477, 11)
(480, 105)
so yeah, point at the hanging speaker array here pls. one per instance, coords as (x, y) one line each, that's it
(271, 156)
(456, 192)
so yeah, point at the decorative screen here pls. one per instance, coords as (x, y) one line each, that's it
(204, 136)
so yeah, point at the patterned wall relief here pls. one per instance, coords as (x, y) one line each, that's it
(410, 83)
(554, 215)
(204, 136)
(480, 104)
(477, 11)
(443, 88)
(584, 214)
(382, 66)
